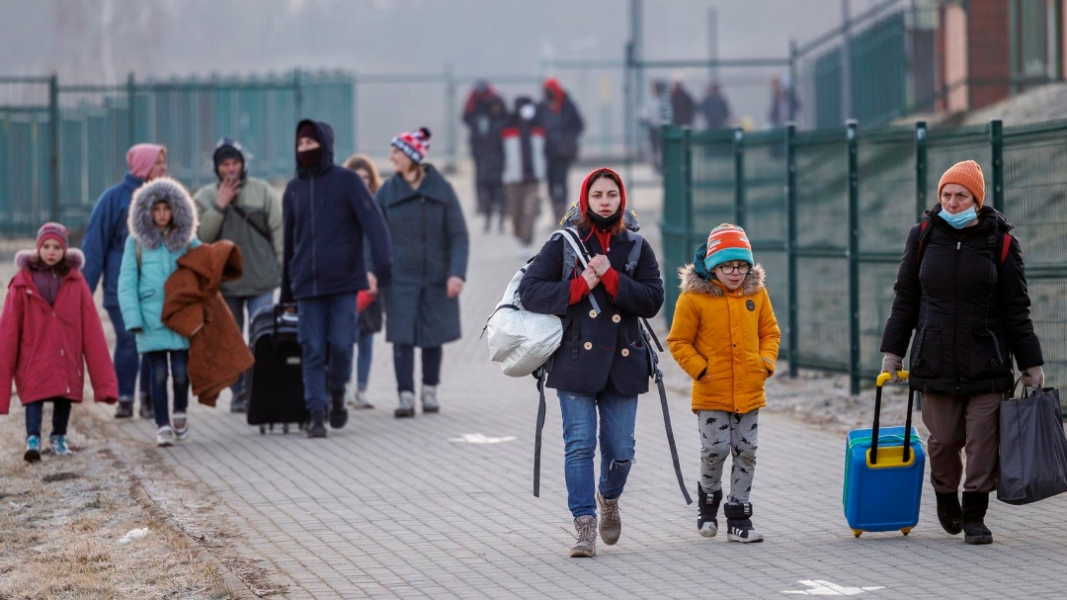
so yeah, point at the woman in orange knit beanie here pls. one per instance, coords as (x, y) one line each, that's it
(961, 288)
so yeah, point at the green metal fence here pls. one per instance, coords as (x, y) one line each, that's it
(57, 173)
(828, 211)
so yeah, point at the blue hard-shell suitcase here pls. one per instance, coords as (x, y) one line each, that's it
(884, 473)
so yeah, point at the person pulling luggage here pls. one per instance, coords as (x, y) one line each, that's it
(961, 287)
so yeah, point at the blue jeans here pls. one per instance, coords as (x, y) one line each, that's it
(363, 361)
(126, 361)
(237, 306)
(60, 416)
(618, 416)
(327, 322)
(160, 374)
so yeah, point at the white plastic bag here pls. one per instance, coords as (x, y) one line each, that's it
(521, 341)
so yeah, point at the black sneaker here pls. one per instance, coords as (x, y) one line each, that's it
(949, 512)
(338, 412)
(124, 410)
(708, 512)
(147, 412)
(739, 523)
(317, 426)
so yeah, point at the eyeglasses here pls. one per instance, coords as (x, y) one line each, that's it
(727, 269)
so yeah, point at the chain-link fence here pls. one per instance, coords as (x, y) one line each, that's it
(828, 211)
(57, 173)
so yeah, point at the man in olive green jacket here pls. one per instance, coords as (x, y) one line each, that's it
(247, 212)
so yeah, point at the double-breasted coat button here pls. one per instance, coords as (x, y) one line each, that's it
(592, 314)
(616, 319)
(626, 352)
(589, 345)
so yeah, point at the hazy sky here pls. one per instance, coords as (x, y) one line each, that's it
(89, 41)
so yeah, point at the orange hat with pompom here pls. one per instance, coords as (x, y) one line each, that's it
(968, 174)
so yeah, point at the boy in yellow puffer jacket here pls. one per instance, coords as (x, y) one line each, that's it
(725, 336)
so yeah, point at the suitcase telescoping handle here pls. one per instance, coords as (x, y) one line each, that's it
(279, 310)
(884, 377)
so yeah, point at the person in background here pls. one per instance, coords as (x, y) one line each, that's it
(103, 245)
(486, 115)
(782, 97)
(327, 211)
(370, 318)
(658, 112)
(683, 108)
(715, 108)
(563, 126)
(431, 247)
(524, 168)
(162, 224)
(246, 211)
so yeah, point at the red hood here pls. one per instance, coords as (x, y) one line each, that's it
(552, 85)
(583, 202)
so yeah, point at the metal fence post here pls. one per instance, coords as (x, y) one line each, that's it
(450, 118)
(355, 112)
(996, 141)
(131, 112)
(920, 169)
(791, 244)
(687, 178)
(53, 148)
(298, 103)
(793, 55)
(853, 258)
(739, 177)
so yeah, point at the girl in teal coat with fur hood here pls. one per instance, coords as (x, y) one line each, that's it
(162, 224)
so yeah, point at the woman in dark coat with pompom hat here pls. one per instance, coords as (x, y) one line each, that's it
(430, 251)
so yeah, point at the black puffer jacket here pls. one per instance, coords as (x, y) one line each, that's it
(970, 313)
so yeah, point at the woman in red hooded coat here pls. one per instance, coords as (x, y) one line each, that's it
(49, 332)
(602, 364)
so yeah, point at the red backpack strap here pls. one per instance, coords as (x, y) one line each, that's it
(922, 230)
(1005, 247)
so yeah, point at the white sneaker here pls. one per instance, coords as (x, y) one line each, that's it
(180, 422)
(164, 436)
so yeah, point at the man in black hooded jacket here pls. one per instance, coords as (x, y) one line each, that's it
(327, 211)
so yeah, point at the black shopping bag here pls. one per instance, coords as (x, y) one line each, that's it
(1033, 448)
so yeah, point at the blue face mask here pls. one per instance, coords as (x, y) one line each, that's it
(960, 219)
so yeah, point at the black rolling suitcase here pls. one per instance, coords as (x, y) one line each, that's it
(276, 393)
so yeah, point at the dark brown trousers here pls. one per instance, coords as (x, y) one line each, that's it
(968, 423)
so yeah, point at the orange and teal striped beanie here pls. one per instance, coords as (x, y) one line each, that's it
(727, 242)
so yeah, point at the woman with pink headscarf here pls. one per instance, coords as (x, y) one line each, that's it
(105, 238)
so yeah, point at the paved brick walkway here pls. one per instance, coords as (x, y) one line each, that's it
(389, 508)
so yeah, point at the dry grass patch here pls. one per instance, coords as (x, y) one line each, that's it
(61, 522)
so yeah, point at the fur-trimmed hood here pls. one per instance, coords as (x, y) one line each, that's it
(28, 259)
(692, 281)
(185, 222)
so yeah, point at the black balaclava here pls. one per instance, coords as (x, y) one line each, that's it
(309, 158)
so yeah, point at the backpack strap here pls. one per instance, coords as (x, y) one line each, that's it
(1004, 244)
(657, 374)
(635, 252)
(1005, 247)
(576, 249)
(923, 228)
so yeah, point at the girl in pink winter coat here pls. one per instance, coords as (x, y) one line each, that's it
(49, 332)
